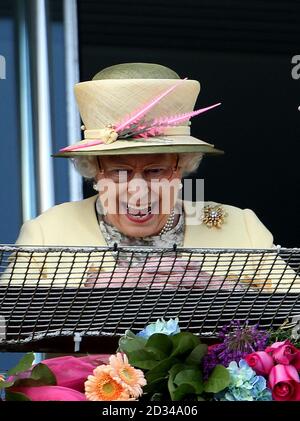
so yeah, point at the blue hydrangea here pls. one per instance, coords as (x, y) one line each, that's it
(244, 385)
(160, 326)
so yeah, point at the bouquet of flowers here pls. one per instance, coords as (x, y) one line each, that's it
(163, 363)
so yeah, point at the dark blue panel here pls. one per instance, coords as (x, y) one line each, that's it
(10, 196)
(9, 360)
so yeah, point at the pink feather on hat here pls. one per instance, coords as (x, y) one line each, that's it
(135, 126)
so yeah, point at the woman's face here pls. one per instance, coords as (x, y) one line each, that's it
(138, 192)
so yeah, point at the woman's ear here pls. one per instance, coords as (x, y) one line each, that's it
(99, 170)
(97, 177)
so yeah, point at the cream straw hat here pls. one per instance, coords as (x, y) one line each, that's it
(137, 108)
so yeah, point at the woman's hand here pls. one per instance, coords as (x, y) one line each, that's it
(161, 272)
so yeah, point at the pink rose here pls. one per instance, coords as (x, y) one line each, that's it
(50, 393)
(284, 382)
(70, 373)
(261, 362)
(285, 353)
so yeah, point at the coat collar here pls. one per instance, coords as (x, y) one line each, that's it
(192, 232)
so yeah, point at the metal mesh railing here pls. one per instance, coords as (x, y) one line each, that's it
(102, 292)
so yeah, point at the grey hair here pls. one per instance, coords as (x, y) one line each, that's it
(88, 168)
(189, 162)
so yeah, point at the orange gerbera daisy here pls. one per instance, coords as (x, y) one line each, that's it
(129, 377)
(102, 387)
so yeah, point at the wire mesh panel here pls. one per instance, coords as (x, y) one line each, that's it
(102, 292)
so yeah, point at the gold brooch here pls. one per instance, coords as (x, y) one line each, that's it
(213, 216)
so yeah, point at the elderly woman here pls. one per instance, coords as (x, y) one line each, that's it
(136, 150)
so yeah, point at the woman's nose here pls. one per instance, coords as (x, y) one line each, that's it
(138, 190)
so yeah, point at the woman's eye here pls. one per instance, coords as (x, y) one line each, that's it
(121, 172)
(155, 170)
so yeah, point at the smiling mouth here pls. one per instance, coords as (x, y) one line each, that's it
(139, 212)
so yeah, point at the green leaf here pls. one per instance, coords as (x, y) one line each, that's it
(196, 355)
(143, 359)
(191, 376)
(156, 397)
(218, 380)
(172, 374)
(184, 380)
(183, 343)
(157, 386)
(160, 344)
(4, 384)
(129, 334)
(182, 391)
(175, 369)
(41, 375)
(42, 371)
(15, 396)
(160, 370)
(23, 365)
(130, 342)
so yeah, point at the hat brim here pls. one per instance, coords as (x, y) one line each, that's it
(150, 145)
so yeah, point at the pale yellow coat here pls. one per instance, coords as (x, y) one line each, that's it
(75, 224)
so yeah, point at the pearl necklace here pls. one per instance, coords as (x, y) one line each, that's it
(169, 224)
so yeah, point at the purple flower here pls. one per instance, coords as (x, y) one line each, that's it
(236, 342)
